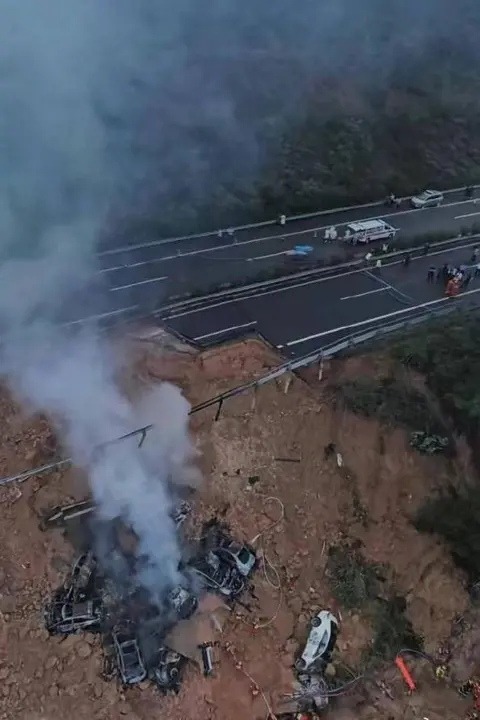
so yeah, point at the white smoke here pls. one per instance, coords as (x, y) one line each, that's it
(60, 164)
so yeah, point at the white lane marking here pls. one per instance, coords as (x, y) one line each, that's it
(369, 292)
(220, 332)
(279, 236)
(100, 316)
(264, 257)
(374, 319)
(312, 282)
(459, 217)
(142, 282)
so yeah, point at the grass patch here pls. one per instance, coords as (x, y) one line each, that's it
(390, 401)
(392, 632)
(353, 581)
(455, 516)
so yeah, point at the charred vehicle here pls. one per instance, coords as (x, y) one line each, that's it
(128, 658)
(166, 671)
(66, 617)
(218, 575)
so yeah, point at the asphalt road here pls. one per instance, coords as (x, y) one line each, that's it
(144, 274)
(305, 313)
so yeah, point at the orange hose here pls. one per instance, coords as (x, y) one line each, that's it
(405, 672)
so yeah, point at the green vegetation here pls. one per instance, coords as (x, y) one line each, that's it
(391, 401)
(353, 581)
(359, 585)
(392, 631)
(449, 356)
(455, 516)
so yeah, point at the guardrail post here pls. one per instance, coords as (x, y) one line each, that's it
(320, 368)
(219, 409)
(254, 399)
(288, 382)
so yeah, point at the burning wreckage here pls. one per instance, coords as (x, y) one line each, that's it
(134, 628)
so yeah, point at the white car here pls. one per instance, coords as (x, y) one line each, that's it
(320, 642)
(429, 198)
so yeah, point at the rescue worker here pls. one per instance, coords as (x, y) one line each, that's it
(282, 219)
(378, 265)
(431, 274)
(368, 257)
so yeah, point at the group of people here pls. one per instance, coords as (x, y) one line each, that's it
(454, 278)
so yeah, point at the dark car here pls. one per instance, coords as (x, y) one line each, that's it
(67, 618)
(166, 670)
(128, 657)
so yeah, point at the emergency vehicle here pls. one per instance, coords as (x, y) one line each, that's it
(369, 231)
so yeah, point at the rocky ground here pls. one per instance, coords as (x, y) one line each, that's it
(266, 475)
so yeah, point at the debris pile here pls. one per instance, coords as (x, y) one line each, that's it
(135, 627)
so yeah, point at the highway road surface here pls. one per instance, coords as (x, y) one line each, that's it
(304, 313)
(145, 274)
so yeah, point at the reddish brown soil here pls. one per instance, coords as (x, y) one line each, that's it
(277, 441)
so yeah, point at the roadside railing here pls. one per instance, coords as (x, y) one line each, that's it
(414, 316)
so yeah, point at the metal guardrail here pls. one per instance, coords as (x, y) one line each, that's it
(418, 315)
(202, 301)
(289, 219)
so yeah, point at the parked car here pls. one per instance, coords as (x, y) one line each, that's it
(320, 642)
(428, 198)
(166, 669)
(67, 617)
(128, 657)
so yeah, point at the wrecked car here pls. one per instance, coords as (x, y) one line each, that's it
(128, 657)
(238, 555)
(166, 670)
(67, 617)
(320, 642)
(182, 602)
(83, 577)
(218, 575)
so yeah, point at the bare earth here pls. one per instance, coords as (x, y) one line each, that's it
(265, 451)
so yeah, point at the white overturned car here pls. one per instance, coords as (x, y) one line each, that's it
(320, 642)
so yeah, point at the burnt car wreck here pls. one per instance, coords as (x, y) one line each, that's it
(133, 626)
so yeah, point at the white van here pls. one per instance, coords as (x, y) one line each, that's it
(368, 231)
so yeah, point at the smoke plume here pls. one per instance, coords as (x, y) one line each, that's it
(113, 110)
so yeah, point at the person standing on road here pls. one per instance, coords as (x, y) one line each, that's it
(368, 257)
(282, 219)
(378, 265)
(426, 248)
(431, 274)
(406, 260)
(477, 270)
(466, 280)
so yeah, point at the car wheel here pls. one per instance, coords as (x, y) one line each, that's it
(300, 664)
(316, 622)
